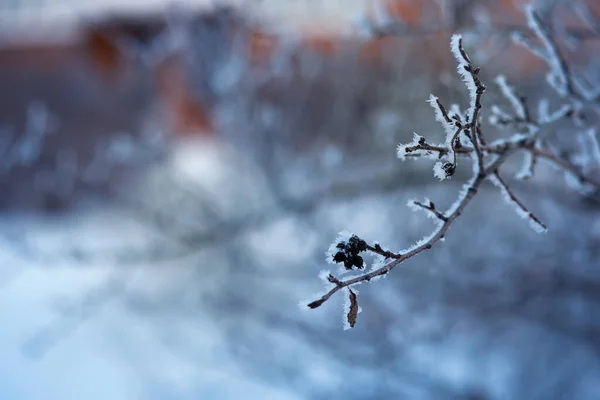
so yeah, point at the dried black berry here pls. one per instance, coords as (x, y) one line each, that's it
(349, 251)
(358, 261)
(450, 169)
(339, 257)
(357, 244)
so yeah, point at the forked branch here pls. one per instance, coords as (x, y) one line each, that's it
(464, 138)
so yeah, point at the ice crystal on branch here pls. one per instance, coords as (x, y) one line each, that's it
(464, 135)
(594, 145)
(417, 148)
(515, 100)
(464, 68)
(441, 116)
(519, 208)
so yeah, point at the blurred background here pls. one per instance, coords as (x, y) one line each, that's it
(171, 175)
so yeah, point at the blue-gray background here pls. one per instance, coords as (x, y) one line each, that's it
(186, 285)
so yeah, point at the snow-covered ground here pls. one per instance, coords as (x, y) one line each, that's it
(105, 304)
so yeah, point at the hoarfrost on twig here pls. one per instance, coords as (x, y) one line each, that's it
(464, 139)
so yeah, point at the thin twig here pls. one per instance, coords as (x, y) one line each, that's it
(431, 208)
(508, 146)
(527, 140)
(469, 194)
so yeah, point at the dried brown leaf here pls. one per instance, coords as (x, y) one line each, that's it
(352, 314)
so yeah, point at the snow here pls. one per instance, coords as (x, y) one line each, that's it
(155, 331)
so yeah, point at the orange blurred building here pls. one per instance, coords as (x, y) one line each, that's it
(94, 53)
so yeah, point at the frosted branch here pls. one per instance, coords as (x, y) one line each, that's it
(519, 207)
(486, 159)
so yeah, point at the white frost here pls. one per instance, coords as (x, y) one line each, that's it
(324, 275)
(594, 148)
(522, 212)
(526, 170)
(343, 236)
(547, 117)
(438, 170)
(557, 77)
(509, 93)
(439, 117)
(401, 149)
(466, 76)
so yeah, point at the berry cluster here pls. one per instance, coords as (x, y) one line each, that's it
(348, 253)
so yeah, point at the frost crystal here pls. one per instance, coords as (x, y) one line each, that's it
(461, 196)
(592, 137)
(573, 181)
(584, 158)
(557, 78)
(526, 170)
(517, 206)
(324, 275)
(402, 148)
(544, 110)
(518, 38)
(439, 116)
(546, 117)
(379, 262)
(509, 93)
(343, 236)
(588, 92)
(498, 113)
(462, 70)
(439, 171)
(412, 204)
